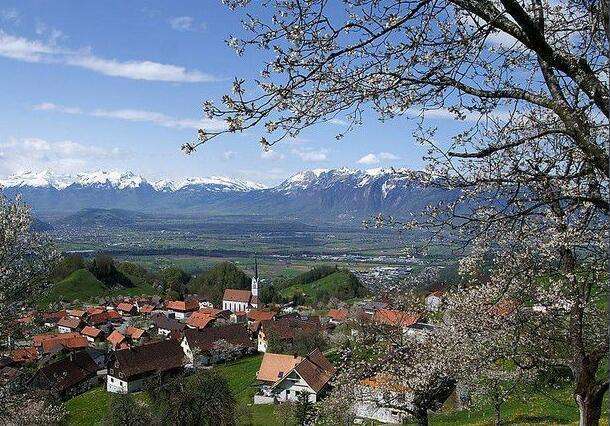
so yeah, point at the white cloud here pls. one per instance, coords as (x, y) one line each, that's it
(445, 114)
(65, 156)
(23, 49)
(372, 158)
(338, 122)
(10, 15)
(271, 155)
(311, 155)
(136, 115)
(228, 155)
(186, 23)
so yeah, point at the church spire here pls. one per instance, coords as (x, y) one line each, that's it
(255, 267)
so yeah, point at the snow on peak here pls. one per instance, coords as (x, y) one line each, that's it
(217, 183)
(120, 180)
(43, 179)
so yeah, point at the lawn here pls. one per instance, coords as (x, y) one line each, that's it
(541, 406)
(241, 376)
(90, 407)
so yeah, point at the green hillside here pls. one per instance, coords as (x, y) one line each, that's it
(213, 282)
(341, 284)
(82, 285)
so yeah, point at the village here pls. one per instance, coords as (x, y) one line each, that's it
(122, 344)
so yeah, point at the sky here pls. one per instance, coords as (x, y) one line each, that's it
(118, 85)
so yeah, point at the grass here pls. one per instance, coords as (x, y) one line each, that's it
(241, 376)
(539, 406)
(82, 285)
(90, 408)
(336, 284)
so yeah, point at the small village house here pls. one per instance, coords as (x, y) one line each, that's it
(434, 301)
(284, 328)
(127, 309)
(378, 398)
(182, 309)
(166, 326)
(67, 376)
(128, 369)
(208, 343)
(68, 324)
(117, 340)
(285, 377)
(92, 334)
(337, 316)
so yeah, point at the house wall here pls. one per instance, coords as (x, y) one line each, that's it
(234, 306)
(116, 385)
(290, 388)
(261, 342)
(63, 329)
(370, 410)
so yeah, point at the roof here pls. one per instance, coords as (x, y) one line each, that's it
(69, 322)
(386, 382)
(125, 307)
(98, 318)
(39, 338)
(437, 293)
(373, 305)
(115, 338)
(337, 314)
(259, 315)
(146, 309)
(234, 295)
(112, 315)
(315, 369)
(154, 357)
(79, 313)
(69, 341)
(91, 331)
(200, 319)
(24, 354)
(165, 323)
(95, 310)
(395, 318)
(182, 306)
(54, 316)
(66, 373)
(275, 366)
(134, 332)
(285, 327)
(204, 340)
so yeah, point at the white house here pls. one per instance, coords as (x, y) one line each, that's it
(285, 377)
(242, 300)
(68, 324)
(182, 309)
(128, 369)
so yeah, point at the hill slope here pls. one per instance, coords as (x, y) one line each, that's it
(82, 285)
(341, 284)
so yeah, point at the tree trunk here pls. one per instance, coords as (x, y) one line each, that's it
(421, 418)
(590, 405)
(497, 414)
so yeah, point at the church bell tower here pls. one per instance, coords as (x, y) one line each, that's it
(255, 279)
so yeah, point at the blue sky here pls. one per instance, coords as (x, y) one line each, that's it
(118, 85)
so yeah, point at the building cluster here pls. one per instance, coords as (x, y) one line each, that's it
(122, 343)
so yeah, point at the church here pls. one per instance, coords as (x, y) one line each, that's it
(242, 300)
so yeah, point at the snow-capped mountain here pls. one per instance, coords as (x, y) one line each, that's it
(320, 194)
(124, 180)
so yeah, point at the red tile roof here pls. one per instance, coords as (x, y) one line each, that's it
(24, 354)
(113, 315)
(338, 314)
(182, 306)
(70, 341)
(134, 332)
(125, 307)
(78, 313)
(234, 295)
(258, 315)
(200, 319)
(69, 322)
(395, 318)
(115, 338)
(146, 309)
(39, 338)
(91, 331)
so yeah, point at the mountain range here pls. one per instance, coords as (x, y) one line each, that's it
(320, 194)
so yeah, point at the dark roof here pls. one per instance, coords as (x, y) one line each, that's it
(235, 334)
(315, 369)
(66, 373)
(161, 321)
(153, 357)
(285, 327)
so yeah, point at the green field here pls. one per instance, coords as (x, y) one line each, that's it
(241, 376)
(82, 285)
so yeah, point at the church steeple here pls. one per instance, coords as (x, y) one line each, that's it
(254, 288)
